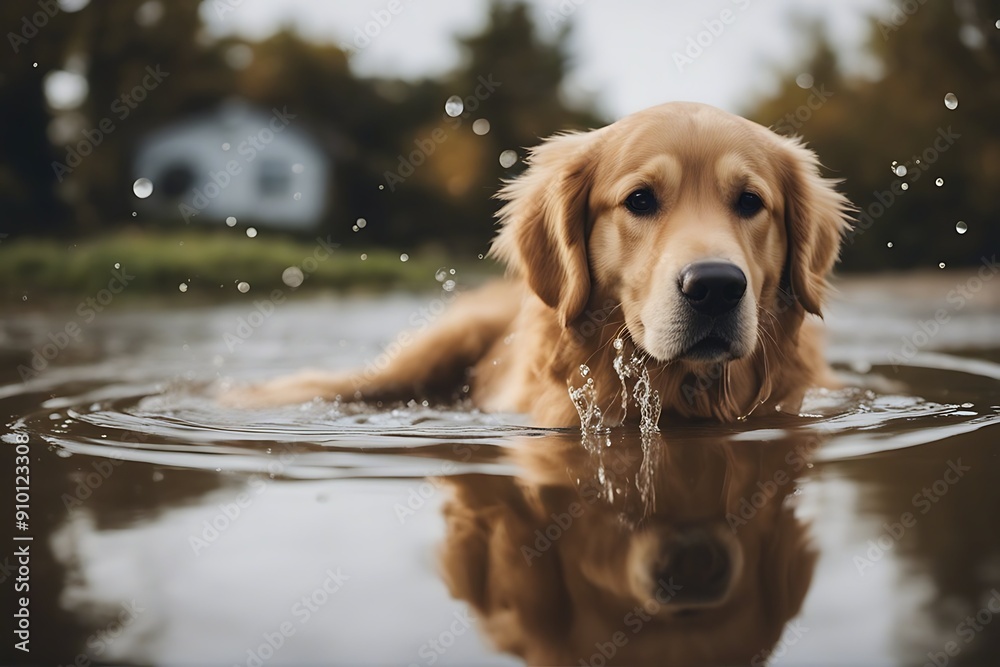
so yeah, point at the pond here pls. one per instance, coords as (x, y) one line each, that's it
(168, 530)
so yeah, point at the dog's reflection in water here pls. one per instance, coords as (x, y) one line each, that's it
(633, 550)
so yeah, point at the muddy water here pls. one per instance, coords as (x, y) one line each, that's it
(167, 530)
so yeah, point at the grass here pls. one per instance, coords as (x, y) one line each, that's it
(211, 264)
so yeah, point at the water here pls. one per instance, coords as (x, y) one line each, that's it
(169, 530)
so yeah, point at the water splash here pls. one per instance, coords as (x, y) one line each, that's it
(454, 106)
(508, 158)
(647, 398)
(585, 401)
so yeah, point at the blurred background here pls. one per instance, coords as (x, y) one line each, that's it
(196, 136)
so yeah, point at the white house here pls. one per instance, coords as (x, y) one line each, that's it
(240, 162)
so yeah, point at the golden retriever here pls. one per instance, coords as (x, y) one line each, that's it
(694, 240)
(687, 553)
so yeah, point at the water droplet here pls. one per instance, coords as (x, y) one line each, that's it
(143, 187)
(508, 158)
(618, 344)
(998, 24)
(34, 64)
(381, 187)
(448, 286)
(364, 256)
(183, 287)
(134, 214)
(243, 287)
(225, 146)
(481, 126)
(24, 298)
(900, 170)
(454, 106)
(441, 274)
(231, 221)
(118, 265)
(251, 232)
(292, 276)
(361, 223)
(584, 370)
(354, 228)
(941, 265)
(404, 257)
(480, 255)
(889, 244)
(804, 80)
(961, 227)
(297, 196)
(951, 101)
(939, 182)
(298, 168)
(157, 476)
(905, 186)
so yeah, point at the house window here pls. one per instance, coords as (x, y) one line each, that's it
(176, 180)
(275, 178)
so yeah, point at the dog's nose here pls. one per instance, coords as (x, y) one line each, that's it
(700, 567)
(713, 288)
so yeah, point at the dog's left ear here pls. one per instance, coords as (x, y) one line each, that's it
(816, 217)
(543, 233)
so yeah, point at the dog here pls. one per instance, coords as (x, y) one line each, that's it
(692, 241)
(668, 551)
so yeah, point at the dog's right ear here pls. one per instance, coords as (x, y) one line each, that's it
(543, 234)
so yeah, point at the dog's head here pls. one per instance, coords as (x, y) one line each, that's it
(691, 557)
(694, 220)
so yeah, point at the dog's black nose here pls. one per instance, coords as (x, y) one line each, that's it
(699, 566)
(713, 288)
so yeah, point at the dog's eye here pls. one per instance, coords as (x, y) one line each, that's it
(748, 204)
(641, 202)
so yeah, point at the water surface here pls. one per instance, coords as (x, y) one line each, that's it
(168, 530)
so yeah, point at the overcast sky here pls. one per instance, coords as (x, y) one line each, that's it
(623, 52)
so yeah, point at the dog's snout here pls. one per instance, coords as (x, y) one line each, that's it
(700, 567)
(713, 288)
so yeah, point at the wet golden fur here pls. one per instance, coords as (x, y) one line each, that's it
(584, 271)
